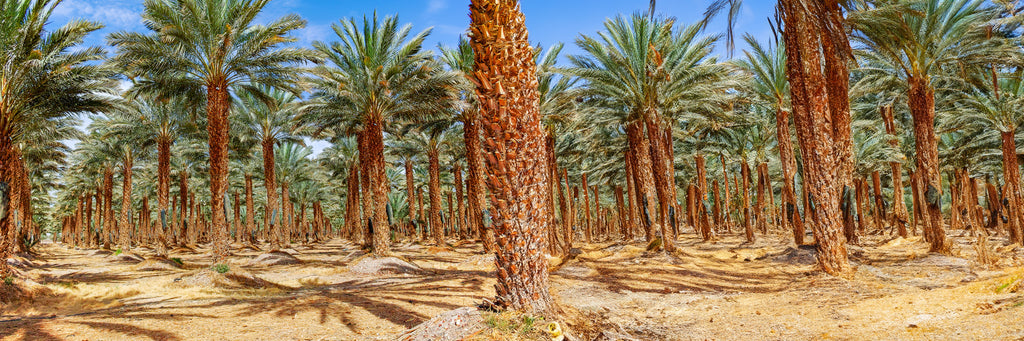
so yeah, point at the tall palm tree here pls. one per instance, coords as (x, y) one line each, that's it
(270, 123)
(920, 41)
(378, 74)
(997, 109)
(206, 50)
(505, 74)
(816, 55)
(771, 87)
(42, 80)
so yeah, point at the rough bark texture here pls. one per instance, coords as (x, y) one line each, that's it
(702, 187)
(124, 241)
(434, 192)
(788, 162)
(823, 132)
(475, 189)
(1011, 176)
(588, 229)
(250, 213)
(643, 173)
(6, 218)
(922, 107)
(217, 127)
(507, 87)
(663, 186)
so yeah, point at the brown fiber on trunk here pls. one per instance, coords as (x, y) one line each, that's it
(663, 186)
(788, 163)
(518, 173)
(922, 107)
(899, 207)
(250, 213)
(821, 114)
(702, 188)
(124, 241)
(434, 192)
(217, 127)
(748, 226)
(588, 229)
(1011, 177)
(643, 173)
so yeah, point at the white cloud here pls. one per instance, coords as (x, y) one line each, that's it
(433, 6)
(116, 14)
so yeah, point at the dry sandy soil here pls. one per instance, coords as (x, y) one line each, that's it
(721, 291)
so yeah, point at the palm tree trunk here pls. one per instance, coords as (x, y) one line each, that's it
(250, 212)
(702, 187)
(644, 177)
(922, 108)
(821, 114)
(434, 192)
(519, 173)
(409, 185)
(1011, 176)
(620, 211)
(108, 214)
(661, 172)
(555, 241)
(632, 225)
(475, 189)
(183, 223)
(126, 204)
(7, 157)
(587, 232)
(748, 227)
(879, 205)
(460, 217)
(217, 127)
(727, 212)
(378, 185)
(788, 162)
(352, 216)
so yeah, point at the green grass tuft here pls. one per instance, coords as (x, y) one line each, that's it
(221, 268)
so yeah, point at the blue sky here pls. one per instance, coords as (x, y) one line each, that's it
(548, 21)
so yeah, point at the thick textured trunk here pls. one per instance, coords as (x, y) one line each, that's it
(821, 113)
(663, 185)
(237, 222)
(1011, 176)
(250, 213)
(126, 228)
(434, 192)
(352, 215)
(410, 185)
(717, 209)
(643, 172)
(922, 107)
(460, 209)
(702, 188)
(183, 223)
(588, 229)
(748, 227)
(727, 212)
(633, 218)
(762, 193)
(556, 243)
(108, 214)
(788, 162)
(378, 185)
(6, 216)
(217, 126)
(506, 71)
(880, 214)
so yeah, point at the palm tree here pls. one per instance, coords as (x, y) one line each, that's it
(771, 87)
(816, 54)
(42, 80)
(920, 41)
(375, 76)
(505, 74)
(206, 50)
(997, 109)
(270, 123)
(433, 138)
(460, 59)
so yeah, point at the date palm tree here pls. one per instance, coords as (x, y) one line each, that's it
(921, 41)
(376, 75)
(43, 79)
(205, 50)
(505, 75)
(269, 123)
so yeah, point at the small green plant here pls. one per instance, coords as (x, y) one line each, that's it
(221, 268)
(528, 322)
(9, 280)
(118, 252)
(177, 260)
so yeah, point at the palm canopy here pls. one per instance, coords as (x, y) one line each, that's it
(377, 72)
(45, 74)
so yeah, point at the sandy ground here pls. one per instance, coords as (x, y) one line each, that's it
(726, 290)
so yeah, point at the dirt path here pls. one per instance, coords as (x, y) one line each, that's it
(723, 291)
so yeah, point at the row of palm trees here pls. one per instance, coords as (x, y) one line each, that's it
(659, 134)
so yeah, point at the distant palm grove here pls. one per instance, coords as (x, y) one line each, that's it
(856, 118)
